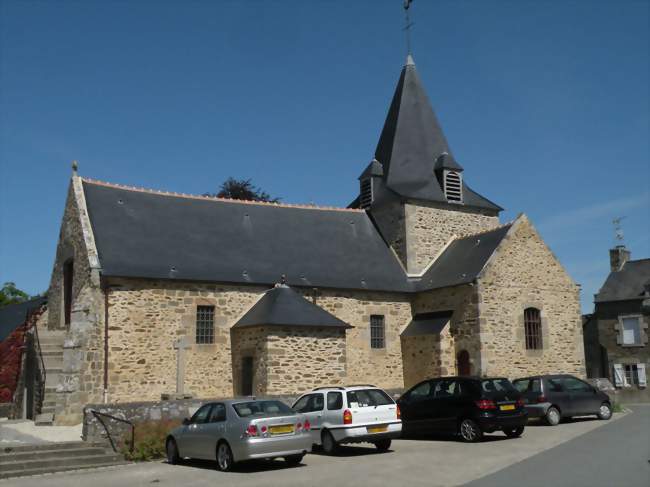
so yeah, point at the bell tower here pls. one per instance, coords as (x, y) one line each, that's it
(414, 188)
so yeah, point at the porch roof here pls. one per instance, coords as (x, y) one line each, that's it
(427, 323)
(282, 306)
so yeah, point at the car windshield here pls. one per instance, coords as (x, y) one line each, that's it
(496, 385)
(262, 408)
(368, 397)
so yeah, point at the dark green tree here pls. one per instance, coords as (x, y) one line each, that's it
(242, 189)
(10, 294)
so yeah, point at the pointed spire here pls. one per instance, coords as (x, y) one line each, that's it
(411, 140)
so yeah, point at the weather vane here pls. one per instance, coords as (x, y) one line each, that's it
(618, 229)
(408, 24)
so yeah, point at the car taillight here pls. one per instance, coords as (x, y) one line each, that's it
(520, 403)
(251, 430)
(486, 404)
(298, 426)
(541, 399)
(307, 425)
(399, 413)
(263, 429)
(347, 417)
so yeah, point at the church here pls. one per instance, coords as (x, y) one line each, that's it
(416, 278)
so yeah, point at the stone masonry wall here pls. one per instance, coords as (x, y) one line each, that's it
(524, 273)
(430, 226)
(147, 317)
(83, 345)
(250, 342)
(300, 359)
(431, 356)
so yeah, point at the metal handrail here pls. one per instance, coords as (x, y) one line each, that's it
(97, 415)
(44, 378)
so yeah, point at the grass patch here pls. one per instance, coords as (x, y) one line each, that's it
(618, 408)
(149, 440)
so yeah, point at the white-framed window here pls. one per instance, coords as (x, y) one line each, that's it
(629, 375)
(630, 330)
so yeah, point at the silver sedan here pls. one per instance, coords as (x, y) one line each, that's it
(235, 430)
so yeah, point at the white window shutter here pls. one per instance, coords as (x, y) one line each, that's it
(643, 382)
(619, 375)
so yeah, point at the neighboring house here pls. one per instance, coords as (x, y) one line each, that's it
(158, 291)
(17, 323)
(616, 334)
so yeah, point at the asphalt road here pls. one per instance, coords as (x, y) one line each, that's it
(426, 462)
(616, 455)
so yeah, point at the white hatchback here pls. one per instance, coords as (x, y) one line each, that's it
(350, 414)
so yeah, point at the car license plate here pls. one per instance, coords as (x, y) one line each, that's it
(281, 430)
(507, 407)
(377, 429)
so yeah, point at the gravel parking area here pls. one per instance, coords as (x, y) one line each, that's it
(424, 461)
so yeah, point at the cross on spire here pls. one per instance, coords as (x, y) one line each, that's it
(407, 25)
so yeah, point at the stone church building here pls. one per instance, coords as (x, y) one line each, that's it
(416, 278)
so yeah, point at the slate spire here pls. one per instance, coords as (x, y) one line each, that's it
(411, 141)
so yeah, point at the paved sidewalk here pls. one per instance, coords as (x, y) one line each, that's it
(421, 462)
(24, 432)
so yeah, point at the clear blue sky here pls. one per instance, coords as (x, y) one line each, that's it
(545, 104)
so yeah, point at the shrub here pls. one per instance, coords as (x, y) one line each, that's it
(149, 440)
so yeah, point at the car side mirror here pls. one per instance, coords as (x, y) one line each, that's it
(186, 421)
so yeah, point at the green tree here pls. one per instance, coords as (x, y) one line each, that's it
(242, 189)
(10, 294)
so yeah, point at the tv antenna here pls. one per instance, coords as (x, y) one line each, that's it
(408, 24)
(618, 229)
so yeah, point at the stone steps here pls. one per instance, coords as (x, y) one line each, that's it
(55, 457)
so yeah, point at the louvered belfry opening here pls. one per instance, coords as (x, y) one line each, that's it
(453, 187)
(365, 198)
(533, 329)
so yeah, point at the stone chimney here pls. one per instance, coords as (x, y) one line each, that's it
(618, 256)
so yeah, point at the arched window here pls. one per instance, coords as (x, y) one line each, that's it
(68, 272)
(453, 187)
(533, 329)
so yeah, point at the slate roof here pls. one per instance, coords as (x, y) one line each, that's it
(146, 234)
(463, 259)
(427, 324)
(282, 306)
(14, 315)
(628, 283)
(412, 141)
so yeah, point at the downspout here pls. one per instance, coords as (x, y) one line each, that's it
(106, 290)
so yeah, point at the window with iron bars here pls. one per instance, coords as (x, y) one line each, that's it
(204, 324)
(533, 329)
(377, 331)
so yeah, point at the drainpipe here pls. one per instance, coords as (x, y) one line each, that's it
(106, 290)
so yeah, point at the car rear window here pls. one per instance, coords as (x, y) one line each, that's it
(262, 408)
(521, 385)
(368, 397)
(496, 385)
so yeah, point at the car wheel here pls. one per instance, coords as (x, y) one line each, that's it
(605, 411)
(329, 443)
(383, 445)
(293, 460)
(225, 459)
(514, 432)
(172, 452)
(552, 416)
(469, 431)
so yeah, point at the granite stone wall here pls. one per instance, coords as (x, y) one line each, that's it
(524, 273)
(289, 360)
(80, 381)
(430, 226)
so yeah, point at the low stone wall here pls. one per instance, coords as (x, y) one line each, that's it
(6, 410)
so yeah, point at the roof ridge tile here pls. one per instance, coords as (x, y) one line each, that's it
(217, 198)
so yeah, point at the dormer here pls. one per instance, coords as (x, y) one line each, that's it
(367, 183)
